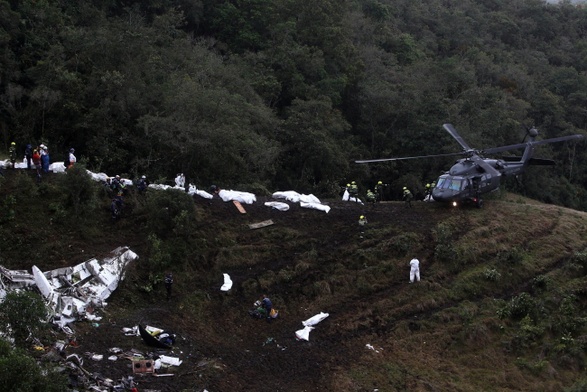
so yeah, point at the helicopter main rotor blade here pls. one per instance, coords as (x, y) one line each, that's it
(486, 166)
(405, 158)
(522, 145)
(453, 132)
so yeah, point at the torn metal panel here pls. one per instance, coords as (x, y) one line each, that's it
(73, 291)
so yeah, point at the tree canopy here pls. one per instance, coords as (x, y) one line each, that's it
(286, 94)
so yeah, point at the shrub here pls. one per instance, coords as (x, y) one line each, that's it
(491, 274)
(517, 307)
(19, 372)
(22, 314)
(511, 256)
(80, 191)
(401, 244)
(168, 211)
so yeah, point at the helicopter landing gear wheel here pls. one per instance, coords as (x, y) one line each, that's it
(479, 203)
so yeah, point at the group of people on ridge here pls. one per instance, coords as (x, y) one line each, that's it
(378, 194)
(38, 157)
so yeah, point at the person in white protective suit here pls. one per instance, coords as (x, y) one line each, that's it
(414, 270)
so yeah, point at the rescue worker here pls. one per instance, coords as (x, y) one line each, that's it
(428, 192)
(37, 163)
(72, 159)
(371, 197)
(362, 220)
(28, 154)
(168, 284)
(45, 158)
(142, 184)
(414, 270)
(12, 154)
(354, 191)
(267, 305)
(407, 196)
(379, 190)
(362, 223)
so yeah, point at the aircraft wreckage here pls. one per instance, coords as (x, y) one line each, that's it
(72, 293)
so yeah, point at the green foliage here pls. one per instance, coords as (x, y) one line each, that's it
(518, 307)
(159, 259)
(169, 212)
(8, 205)
(578, 386)
(511, 256)
(19, 373)
(23, 314)
(403, 243)
(444, 250)
(80, 191)
(491, 274)
(287, 93)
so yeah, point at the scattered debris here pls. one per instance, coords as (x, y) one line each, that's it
(261, 224)
(74, 292)
(370, 347)
(156, 337)
(239, 206)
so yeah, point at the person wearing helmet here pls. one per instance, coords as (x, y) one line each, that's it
(379, 190)
(142, 185)
(407, 196)
(12, 154)
(28, 154)
(428, 192)
(371, 198)
(45, 158)
(362, 220)
(354, 191)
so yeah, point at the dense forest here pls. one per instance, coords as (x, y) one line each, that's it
(262, 95)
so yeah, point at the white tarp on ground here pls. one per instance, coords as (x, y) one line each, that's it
(277, 205)
(304, 334)
(195, 191)
(243, 197)
(74, 291)
(315, 319)
(306, 201)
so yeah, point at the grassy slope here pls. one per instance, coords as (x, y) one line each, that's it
(444, 333)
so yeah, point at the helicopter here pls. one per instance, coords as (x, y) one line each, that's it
(474, 175)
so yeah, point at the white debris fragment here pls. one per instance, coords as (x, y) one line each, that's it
(227, 283)
(173, 361)
(370, 347)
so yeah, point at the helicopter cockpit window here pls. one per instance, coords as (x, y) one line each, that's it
(452, 183)
(440, 182)
(456, 184)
